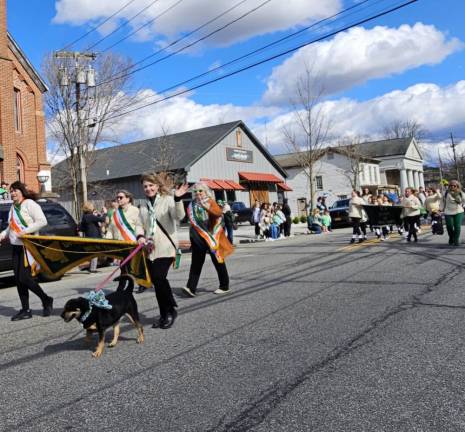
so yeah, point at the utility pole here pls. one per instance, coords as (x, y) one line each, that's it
(85, 77)
(455, 157)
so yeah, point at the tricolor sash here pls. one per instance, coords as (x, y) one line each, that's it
(125, 229)
(211, 238)
(18, 224)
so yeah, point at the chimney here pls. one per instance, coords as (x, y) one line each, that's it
(3, 31)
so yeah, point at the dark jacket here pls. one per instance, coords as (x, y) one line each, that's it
(90, 225)
(286, 210)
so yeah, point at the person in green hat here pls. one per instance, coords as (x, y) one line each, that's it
(4, 194)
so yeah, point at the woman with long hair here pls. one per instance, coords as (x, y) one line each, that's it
(159, 214)
(25, 217)
(411, 213)
(207, 236)
(454, 200)
(356, 216)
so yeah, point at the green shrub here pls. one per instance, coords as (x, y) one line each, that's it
(296, 220)
(303, 219)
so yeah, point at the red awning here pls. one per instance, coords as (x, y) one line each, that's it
(284, 187)
(260, 177)
(211, 184)
(235, 186)
(223, 183)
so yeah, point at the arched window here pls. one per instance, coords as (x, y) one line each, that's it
(19, 168)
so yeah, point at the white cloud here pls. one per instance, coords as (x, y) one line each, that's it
(274, 16)
(438, 109)
(358, 55)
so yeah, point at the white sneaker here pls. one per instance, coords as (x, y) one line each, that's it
(221, 291)
(188, 292)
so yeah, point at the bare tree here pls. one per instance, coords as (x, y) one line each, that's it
(350, 148)
(405, 129)
(79, 122)
(308, 134)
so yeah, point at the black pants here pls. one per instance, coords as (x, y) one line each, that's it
(198, 258)
(24, 280)
(358, 227)
(158, 270)
(257, 228)
(287, 226)
(413, 223)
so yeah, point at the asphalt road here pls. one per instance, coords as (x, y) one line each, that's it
(316, 335)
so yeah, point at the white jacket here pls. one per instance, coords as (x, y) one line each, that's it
(33, 216)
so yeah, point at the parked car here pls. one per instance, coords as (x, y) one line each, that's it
(241, 211)
(339, 212)
(60, 222)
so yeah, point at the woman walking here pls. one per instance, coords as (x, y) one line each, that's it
(356, 216)
(25, 217)
(159, 214)
(454, 200)
(125, 222)
(90, 227)
(207, 236)
(411, 213)
(433, 203)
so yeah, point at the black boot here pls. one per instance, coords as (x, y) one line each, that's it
(22, 315)
(48, 307)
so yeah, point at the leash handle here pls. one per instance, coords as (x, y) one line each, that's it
(122, 263)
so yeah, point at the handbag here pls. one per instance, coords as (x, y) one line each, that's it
(177, 259)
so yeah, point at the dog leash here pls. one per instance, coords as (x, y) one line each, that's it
(122, 263)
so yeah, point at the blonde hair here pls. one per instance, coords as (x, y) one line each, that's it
(163, 180)
(202, 185)
(88, 207)
(315, 212)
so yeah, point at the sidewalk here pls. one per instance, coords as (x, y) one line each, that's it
(244, 234)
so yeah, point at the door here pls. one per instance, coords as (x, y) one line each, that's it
(258, 192)
(302, 206)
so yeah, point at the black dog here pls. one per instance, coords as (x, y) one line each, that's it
(99, 319)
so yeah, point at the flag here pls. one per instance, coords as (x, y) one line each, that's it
(57, 255)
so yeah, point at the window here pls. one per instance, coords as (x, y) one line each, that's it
(362, 173)
(370, 175)
(342, 197)
(238, 138)
(17, 110)
(19, 169)
(55, 216)
(319, 182)
(230, 195)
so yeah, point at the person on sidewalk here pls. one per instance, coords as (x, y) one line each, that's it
(287, 213)
(25, 217)
(90, 227)
(454, 199)
(158, 215)
(411, 213)
(207, 236)
(256, 219)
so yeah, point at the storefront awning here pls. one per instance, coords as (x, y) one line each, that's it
(223, 184)
(260, 177)
(284, 187)
(235, 186)
(211, 184)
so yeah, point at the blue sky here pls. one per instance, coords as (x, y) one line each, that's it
(424, 67)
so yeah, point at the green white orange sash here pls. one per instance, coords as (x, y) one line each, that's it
(125, 229)
(211, 238)
(18, 224)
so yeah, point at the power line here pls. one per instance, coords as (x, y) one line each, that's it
(237, 59)
(121, 26)
(98, 26)
(181, 92)
(185, 36)
(143, 25)
(189, 45)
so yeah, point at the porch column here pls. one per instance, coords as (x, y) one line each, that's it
(403, 180)
(422, 179)
(416, 179)
(409, 178)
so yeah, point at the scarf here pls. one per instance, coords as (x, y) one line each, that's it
(152, 217)
(198, 218)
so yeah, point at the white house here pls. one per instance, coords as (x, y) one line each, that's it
(384, 165)
(334, 176)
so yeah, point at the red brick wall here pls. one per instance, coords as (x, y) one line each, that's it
(29, 143)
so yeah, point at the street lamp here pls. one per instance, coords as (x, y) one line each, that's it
(42, 177)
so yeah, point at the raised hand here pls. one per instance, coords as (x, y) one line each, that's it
(181, 190)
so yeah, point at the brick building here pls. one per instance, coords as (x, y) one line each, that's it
(22, 120)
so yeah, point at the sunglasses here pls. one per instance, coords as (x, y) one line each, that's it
(198, 190)
(120, 197)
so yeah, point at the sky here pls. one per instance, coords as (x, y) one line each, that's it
(408, 65)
